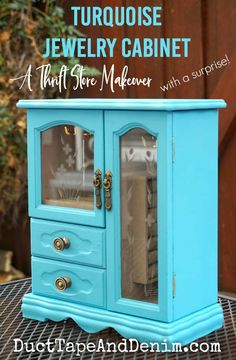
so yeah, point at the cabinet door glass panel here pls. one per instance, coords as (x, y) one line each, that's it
(67, 167)
(138, 166)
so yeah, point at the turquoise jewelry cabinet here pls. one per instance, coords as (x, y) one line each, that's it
(123, 207)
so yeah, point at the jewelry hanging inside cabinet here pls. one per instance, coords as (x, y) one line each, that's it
(70, 130)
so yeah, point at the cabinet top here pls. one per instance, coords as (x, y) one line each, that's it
(123, 104)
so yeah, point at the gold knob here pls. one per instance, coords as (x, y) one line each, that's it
(61, 243)
(62, 283)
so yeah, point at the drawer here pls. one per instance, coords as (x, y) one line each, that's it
(77, 244)
(87, 285)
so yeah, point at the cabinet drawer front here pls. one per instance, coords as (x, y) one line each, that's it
(87, 285)
(85, 245)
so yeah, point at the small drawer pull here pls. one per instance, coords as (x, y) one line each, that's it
(63, 283)
(61, 243)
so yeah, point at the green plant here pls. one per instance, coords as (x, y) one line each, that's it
(24, 24)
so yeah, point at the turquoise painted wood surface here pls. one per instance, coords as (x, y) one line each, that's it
(91, 319)
(87, 245)
(195, 219)
(124, 104)
(40, 120)
(187, 307)
(88, 285)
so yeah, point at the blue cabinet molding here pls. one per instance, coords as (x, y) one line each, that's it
(123, 207)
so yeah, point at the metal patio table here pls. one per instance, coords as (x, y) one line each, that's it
(13, 326)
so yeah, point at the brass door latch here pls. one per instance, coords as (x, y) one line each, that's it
(107, 183)
(97, 182)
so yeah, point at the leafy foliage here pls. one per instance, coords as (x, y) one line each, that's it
(23, 26)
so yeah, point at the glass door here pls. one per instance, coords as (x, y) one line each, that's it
(67, 160)
(68, 166)
(138, 214)
(139, 258)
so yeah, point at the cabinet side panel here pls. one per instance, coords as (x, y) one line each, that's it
(195, 184)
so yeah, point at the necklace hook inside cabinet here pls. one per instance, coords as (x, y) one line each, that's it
(97, 182)
(107, 183)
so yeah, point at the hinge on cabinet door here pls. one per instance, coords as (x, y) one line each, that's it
(173, 150)
(174, 285)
